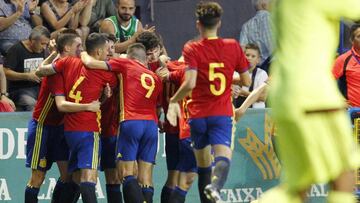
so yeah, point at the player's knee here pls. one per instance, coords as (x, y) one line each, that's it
(188, 181)
(88, 175)
(145, 179)
(111, 176)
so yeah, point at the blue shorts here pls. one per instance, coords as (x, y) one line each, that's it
(84, 150)
(138, 140)
(45, 145)
(187, 161)
(108, 153)
(172, 150)
(211, 131)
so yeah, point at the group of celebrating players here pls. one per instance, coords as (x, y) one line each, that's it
(97, 109)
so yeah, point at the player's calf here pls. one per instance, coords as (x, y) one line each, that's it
(33, 186)
(113, 186)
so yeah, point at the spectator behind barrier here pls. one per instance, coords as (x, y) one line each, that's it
(258, 76)
(16, 20)
(101, 9)
(124, 25)
(257, 29)
(20, 64)
(347, 69)
(59, 14)
(6, 105)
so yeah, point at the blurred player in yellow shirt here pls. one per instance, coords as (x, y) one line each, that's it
(315, 139)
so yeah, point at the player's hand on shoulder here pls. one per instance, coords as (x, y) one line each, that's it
(85, 58)
(173, 113)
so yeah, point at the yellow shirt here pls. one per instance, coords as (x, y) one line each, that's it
(306, 35)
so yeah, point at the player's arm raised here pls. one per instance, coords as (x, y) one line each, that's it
(186, 86)
(253, 97)
(46, 68)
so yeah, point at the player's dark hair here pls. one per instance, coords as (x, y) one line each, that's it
(353, 29)
(136, 51)
(39, 31)
(94, 41)
(149, 39)
(208, 13)
(254, 47)
(109, 37)
(64, 38)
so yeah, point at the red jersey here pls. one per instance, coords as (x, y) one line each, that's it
(45, 111)
(139, 87)
(110, 115)
(215, 60)
(153, 66)
(177, 77)
(82, 86)
(169, 91)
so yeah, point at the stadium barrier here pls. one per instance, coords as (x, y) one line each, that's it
(254, 168)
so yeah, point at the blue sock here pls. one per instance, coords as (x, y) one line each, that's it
(132, 190)
(178, 195)
(165, 194)
(113, 193)
(148, 192)
(203, 181)
(180, 191)
(59, 187)
(87, 190)
(31, 194)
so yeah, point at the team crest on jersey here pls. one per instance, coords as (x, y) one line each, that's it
(42, 163)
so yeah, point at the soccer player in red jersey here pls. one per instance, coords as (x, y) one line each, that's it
(152, 43)
(46, 143)
(82, 129)
(110, 125)
(211, 62)
(138, 137)
(187, 162)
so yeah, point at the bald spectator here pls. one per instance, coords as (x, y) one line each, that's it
(20, 64)
(101, 10)
(124, 25)
(257, 29)
(17, 17)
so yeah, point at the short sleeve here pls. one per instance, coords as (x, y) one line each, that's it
(111, 79)
(59, 65)
(242, 63)
(56, 85)
(11, 59)
(118, 65)
(176, 76)
(189, 56)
